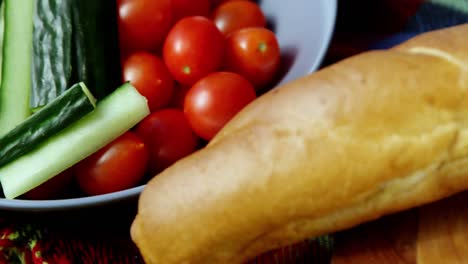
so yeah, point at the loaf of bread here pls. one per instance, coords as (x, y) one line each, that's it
(377, 133)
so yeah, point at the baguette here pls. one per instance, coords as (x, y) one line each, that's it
(374, 134)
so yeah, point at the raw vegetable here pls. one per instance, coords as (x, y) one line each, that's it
(193, 48)
(96, 45)
(186, 8)
(214, 100)
(52, 69)
(54, 188)
(168, 136)
(113, 116)
(16, 63)
(74, 41)
(150, 76)
(253, 53)
(119, 165)
(232, 16)
(215, 3)
(178, 96)
(2, 30)
(143, 24)
(55, 116)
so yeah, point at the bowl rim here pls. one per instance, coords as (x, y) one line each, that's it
(24, 205)
(327, 38)
(70, 203)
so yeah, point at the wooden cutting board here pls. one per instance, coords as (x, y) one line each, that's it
(433, 234)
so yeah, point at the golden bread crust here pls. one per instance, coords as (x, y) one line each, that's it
(374, 134)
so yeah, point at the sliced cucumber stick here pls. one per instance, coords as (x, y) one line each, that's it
(70, 106)
(113, 116)
(74, 41)
(17, 59)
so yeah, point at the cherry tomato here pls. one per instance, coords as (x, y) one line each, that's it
(54, 188)
(169, 137)
(193, 48)
(235, 15)
(178, 96)
(216, 3)
(143, 24)
(185, 8)
(253, 53)
(119, 165)
(214, 100)
(151, 78)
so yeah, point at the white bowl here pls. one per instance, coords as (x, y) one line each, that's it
(304, 29)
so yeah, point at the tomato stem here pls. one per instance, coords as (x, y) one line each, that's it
(186, 69)
(262, 47)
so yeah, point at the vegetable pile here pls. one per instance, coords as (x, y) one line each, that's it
(120, 90)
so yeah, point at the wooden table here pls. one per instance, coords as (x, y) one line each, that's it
(435, 233)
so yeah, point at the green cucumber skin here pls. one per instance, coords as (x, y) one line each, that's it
(52, 50)
(55, 116)
(113, 116)
(97, 46)
(74, 41)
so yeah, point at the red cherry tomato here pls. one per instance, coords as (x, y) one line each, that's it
(151, 78)
(193, 48)
(235, 15)
(119, 165)
(143, 24)
(178, 96)
(185, 8)
(54, 188)
(215, 3)
(253, 53)
(214, 100)
(169, 137)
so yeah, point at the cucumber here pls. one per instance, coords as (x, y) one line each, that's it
(49, 45)
(96, 45)
(113, 116)
(2, 30)
(55, 116)
(52, 51)
(16, 64)
(74, 41)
